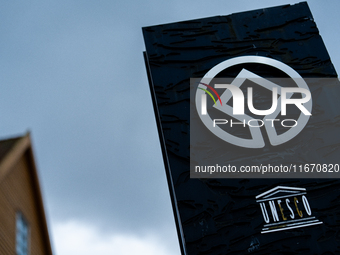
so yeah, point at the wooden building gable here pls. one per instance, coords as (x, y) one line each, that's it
(23, 227)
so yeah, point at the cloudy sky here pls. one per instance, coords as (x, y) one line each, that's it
(72, 73)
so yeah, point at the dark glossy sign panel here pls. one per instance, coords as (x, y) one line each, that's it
(248, 117)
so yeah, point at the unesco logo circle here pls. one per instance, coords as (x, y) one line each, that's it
(268, 118)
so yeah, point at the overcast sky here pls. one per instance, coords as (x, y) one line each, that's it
(72, 73)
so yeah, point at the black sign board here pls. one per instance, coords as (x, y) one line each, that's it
(246, 215)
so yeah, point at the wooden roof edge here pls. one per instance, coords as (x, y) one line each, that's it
(13, 155)
(39, 197)
(24, 146)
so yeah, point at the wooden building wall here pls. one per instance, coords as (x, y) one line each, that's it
(18, 193)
